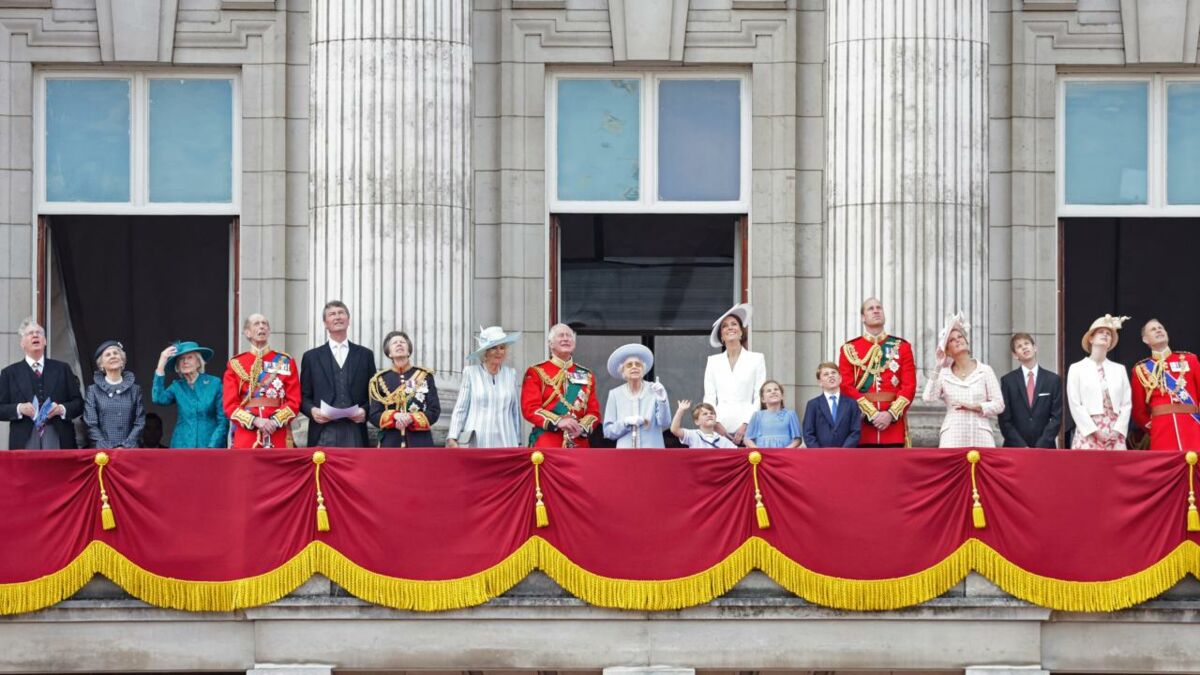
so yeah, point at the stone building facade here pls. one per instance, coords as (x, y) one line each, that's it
(420, 159)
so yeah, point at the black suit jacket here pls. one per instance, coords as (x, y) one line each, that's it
(59, 384)
(1036, 428)
(316, 384)
(820, 429)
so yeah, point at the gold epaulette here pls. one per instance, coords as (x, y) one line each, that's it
(238, 369)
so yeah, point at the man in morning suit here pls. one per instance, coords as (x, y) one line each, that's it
(336, 373)
(558, 396)
(36, 376)
(831, 420)
(1032, 399)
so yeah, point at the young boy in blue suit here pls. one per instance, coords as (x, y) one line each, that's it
(831, 420)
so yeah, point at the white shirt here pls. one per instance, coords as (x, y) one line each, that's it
(340, 351)
(1026, 371)
(734, 391)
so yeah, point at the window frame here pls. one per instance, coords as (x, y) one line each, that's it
(648, 201)
(139, 143)
(1156, 150)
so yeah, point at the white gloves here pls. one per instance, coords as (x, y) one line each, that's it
(660, 392)
(633, 421)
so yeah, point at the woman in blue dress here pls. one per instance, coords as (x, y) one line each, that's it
(774, 426)
(201, 421)
(637, 412)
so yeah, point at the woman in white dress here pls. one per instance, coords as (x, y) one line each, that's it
(733, 377)
(487, 413)
(969, 389)
(637, 412)
(1098, 393)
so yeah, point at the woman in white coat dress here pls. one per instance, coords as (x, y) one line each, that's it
(733, 377)
(1098, 393)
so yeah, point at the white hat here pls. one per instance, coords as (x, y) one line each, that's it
(621, 354)
(954, 321)
(492, 336)
(741, 311)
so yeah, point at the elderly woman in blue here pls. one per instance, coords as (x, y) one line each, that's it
(201, 422)
(637, 412)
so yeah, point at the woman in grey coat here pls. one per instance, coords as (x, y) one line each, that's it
(113, 408)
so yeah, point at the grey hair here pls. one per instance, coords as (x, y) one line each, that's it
(556, 328)
(28, 323)
(124, 358)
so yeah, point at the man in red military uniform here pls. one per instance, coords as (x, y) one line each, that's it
(558, 396)
(878, 372)
(1165, 394)
(261, 391)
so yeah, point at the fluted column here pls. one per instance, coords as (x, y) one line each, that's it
(907, 179)
(390, 161)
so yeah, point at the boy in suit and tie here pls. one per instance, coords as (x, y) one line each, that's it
(830, 420)
(1032, 399)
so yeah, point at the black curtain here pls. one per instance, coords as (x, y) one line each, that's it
(145, 281)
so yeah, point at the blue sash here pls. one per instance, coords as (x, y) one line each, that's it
(1182, 393)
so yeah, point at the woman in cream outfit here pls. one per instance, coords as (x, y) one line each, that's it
(968, 387)
(733, 377)
(1098, 393)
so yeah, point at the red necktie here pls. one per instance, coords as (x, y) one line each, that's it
(37, 370)
(1029, 389)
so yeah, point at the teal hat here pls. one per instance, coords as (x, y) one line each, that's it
(188, 347)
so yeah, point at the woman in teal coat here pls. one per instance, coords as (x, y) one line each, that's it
(201, 422)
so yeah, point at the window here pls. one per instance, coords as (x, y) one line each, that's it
(1129, 145)
(649, 142)
(137, 142)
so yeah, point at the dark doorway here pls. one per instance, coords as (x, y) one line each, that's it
(1136, 267)
(144, 280)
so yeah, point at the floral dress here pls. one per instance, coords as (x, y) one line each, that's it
(414, 392)
(1105, 437)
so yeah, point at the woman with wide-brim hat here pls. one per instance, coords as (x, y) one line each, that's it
(200, 421)
(732, 378)
(969, 389)
(487, 413)
(637, 412)
(1098, 393)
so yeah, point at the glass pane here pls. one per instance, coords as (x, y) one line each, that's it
(1106, 142)
(679, 364)
(1183, 144)
(191, 141)
(598, 136)
(646, 272)
(699, 140)
(87, 140)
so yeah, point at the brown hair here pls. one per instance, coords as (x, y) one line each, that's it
(1012, 342)
(702, 406)
(745, 333)
(331, 304)
(822, 366)
(397, 333)
(763, 404)
(1152, 320)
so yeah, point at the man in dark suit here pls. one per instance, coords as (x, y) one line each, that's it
(1032, 399)
(831, 420)
(336, 373)
(37, 377)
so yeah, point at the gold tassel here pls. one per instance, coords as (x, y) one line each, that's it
(1193, 518)
(542, 518)
(107, 520)
(760, 511)
(318, 458)
(976, 508)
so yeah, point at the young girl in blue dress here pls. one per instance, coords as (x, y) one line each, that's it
(774, 426)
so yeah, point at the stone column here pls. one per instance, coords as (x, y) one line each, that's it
(390, 188)
(907, 169)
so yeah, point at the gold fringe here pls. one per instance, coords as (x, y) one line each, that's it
(633, 594)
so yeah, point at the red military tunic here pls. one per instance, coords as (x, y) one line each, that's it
(265, 384)
(880, 375)
(553, 390)
(1165, 398)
